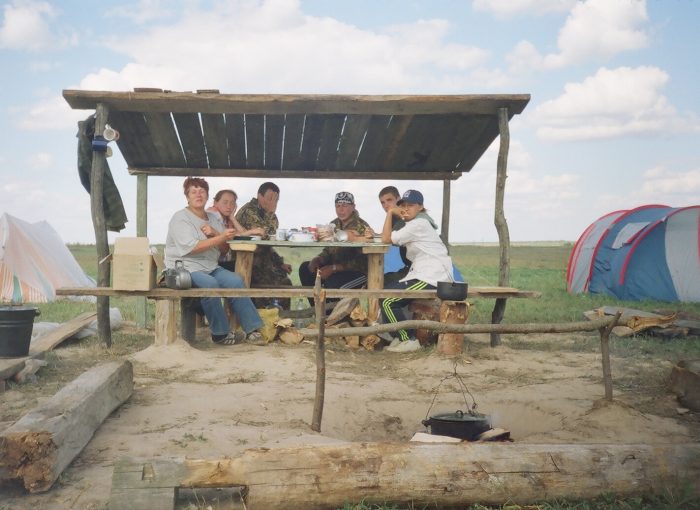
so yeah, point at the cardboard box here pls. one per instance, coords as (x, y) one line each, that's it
(133, 265)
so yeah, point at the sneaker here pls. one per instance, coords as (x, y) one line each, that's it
(394, 342)
(233, 337)
(405, 346)
(255, 338)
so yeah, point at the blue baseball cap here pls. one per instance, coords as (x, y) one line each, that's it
(411, 196)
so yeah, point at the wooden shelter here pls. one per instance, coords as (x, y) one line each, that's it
(398, 137)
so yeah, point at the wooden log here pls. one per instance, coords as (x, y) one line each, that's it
(563, 327)
(319, 396)
(452, 312)
(166, 322)
(605, 355)
(97, 172)
(500, 221)
(422, 475)
(39, 446)
(425, 309)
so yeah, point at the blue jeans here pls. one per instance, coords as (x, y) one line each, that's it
(243, 307)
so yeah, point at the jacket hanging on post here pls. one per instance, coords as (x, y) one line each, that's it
(115, 215)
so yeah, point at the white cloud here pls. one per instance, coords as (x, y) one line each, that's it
(40, 160)
(611, 103)
(142, 11)
(512, 7)
(594, 29)
(27, 25)
(49, 114)
(679, 188)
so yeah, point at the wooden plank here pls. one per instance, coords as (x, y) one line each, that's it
(274, 136)
(214, 129)
(330, 136)
(437, 474)
(255, 140)
(191, 138)
(293, 128)
(41, 444)
(162, 293)
(476, 148)
(166, 322)
(377, 130)
(300, 173)
(416, 146)
(46, 342)
(351, 140)
(447, 143)
(235, 138)
(311, 141)
(395, 132)
(135, 140)
(188, 102)
(165, 140)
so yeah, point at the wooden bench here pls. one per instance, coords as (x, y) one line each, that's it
(168, 301)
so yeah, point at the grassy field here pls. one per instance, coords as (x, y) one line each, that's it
(533, 267)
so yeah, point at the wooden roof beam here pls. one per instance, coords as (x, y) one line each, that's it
(295, 174)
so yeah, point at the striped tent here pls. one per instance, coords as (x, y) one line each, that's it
(651, 252)
(34, 261)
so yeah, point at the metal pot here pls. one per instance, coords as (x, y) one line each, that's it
(178, 278)
(458, 424)
(452, 291)
(16, 324)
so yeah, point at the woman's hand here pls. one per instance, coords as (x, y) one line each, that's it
(209, 231)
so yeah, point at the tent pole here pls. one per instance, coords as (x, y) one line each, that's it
(141, 231)
(500, 221)
(99, 164)
(445, 227)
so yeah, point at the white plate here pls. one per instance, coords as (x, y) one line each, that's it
(301, 237)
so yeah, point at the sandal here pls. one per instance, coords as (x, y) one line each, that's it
(233, 337)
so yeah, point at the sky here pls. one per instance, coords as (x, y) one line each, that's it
(612, 122)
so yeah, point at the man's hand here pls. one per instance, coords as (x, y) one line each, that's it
(327, 271)
(287, 268)
(314, 264)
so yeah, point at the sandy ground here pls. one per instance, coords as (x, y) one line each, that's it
(207, 401)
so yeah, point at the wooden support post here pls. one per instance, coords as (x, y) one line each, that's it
(188, 320)
(605, 354)
(244, 265)
(419, 475)
(141, 231)
(500, 221)
(39, 446)
(99, 164)
(375, 280)
(445, 226)
(320, 305)
(166, 321)
(452, 312)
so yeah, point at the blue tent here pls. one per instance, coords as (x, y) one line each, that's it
(651, 252)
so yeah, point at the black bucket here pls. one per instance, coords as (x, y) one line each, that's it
(16, 324)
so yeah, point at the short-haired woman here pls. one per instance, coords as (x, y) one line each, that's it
(197, 238)
(430, 262)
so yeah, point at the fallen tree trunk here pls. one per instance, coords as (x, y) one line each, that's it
(313, 477)
(39, 446)
(565, 327)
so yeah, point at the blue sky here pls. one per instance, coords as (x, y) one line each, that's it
(613, 121)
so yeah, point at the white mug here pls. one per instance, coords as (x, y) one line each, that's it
(110, 134)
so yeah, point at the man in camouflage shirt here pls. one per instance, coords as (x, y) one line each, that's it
(341, 268)
(268, 266)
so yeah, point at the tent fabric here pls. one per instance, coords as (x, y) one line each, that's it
(34, 261)
(650, 252)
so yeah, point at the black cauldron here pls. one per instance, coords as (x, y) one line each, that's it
(458, 424)
(452, 291)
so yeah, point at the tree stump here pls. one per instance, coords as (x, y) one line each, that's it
(426, 309)
(452, 312)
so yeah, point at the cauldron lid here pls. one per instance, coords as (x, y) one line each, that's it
(460, 416)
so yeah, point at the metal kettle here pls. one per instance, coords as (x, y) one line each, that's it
(178, 278)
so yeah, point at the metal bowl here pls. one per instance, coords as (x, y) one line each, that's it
(452, 291)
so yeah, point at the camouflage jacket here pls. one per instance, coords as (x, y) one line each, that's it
(350, 258)
(251, 215)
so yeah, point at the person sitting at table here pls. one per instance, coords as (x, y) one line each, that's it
(396, 256)
(197, 238)
(341, 268)
(269, 267)
(430, 262)
(225, 205)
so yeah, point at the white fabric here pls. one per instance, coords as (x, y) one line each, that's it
(627, 233)
(184, 232)
(426, 251)
(683, 253)
(34, 262)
